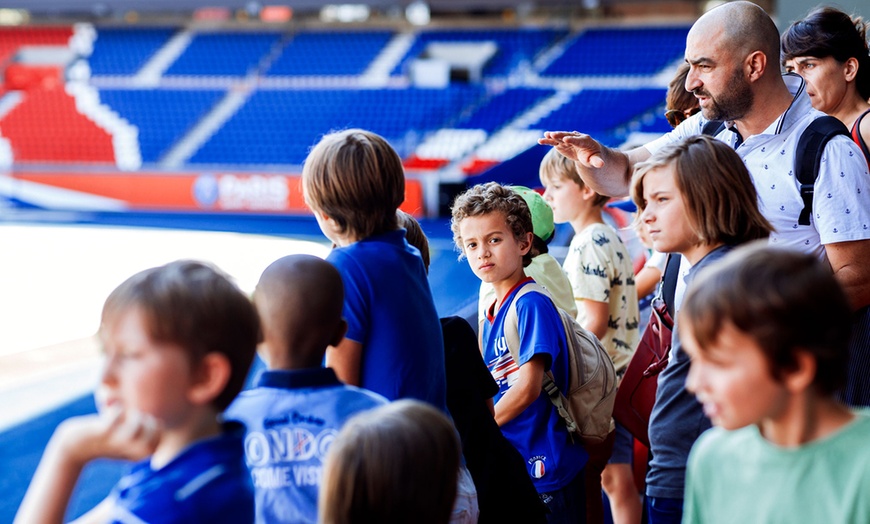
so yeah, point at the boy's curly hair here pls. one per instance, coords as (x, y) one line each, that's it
(493, 197)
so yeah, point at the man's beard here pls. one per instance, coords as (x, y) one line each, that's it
(732, 104)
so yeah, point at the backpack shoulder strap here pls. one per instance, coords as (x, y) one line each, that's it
(713, 127)
(511, 331)
(808, 158)
(669, 281)
(512, 338)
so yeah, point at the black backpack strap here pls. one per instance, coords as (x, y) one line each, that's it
(669, 281)
(808, 158)
(713, 127)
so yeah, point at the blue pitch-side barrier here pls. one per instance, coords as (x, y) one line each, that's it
(453, 284)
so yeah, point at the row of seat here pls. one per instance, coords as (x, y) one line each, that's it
(592, 52)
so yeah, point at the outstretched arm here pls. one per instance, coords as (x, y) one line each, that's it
(77, 441)
(606, 170)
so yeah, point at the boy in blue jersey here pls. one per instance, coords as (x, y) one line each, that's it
(353, 181)
(492, 227)
(297, 406)
(179, 340)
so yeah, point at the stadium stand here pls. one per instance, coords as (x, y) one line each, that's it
(162, 116)
(515, 46)
(203, 98)
(619, 52)
(329, 53)
(224, 53)
(123, 51)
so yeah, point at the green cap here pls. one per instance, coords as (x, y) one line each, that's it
(542, 214)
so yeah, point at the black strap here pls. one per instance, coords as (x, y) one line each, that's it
(808, 158)
(668, 289)
(713, 127)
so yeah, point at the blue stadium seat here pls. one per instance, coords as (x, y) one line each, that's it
(515, 46)
(124, 51)
(279, 127)
(330, 53)
(599, 111)
(620, 52)
(502, 108)
(224, 53)
(162, 116)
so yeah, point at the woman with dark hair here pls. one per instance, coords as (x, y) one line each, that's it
(828, 48)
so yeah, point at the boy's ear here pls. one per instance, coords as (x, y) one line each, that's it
(802, 376)
(587, 193)
(210, 379)
(340, 331)
(526, 243)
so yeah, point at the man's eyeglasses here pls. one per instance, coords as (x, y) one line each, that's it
(677, 116)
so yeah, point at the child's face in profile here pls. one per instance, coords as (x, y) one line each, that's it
(494, 254)
(732, 379)
(142, 375)
(665, 218)
(565, 198)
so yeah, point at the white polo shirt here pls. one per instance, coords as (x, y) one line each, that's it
(841, 203)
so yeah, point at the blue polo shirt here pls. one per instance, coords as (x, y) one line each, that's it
(389, 309)
(207, 482)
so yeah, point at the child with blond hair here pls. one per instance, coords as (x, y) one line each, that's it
(601, 273)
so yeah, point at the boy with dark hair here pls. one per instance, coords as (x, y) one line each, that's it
(767, 330)
(179, 340)
(296, 401)
(353, 181)
(492, 227)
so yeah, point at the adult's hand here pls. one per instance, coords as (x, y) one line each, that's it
(576, 146)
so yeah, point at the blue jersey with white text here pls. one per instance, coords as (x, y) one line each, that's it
(292, 417)
(538, 433)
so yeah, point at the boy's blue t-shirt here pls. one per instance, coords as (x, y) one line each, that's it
(538, 433)
(207, 482)
(292, 417)
(389, 309)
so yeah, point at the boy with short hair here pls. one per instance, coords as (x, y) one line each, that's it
(296, 402)
(602, 276)
(767, 331)
(492, 228)
(545, 269)
(179, 340)
(353, 181)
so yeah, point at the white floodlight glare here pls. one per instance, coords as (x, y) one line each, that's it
(14, 17)
(345, 13)
(418, 13)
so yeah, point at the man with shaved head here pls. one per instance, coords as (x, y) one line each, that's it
(734, 55)
(297, 406)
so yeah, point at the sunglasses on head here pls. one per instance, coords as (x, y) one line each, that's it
(677, 116)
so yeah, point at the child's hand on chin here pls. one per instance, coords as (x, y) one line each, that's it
(115, 433)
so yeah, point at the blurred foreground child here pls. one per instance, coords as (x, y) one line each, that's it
(395, 464)
(179, 340)
(767, 331)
